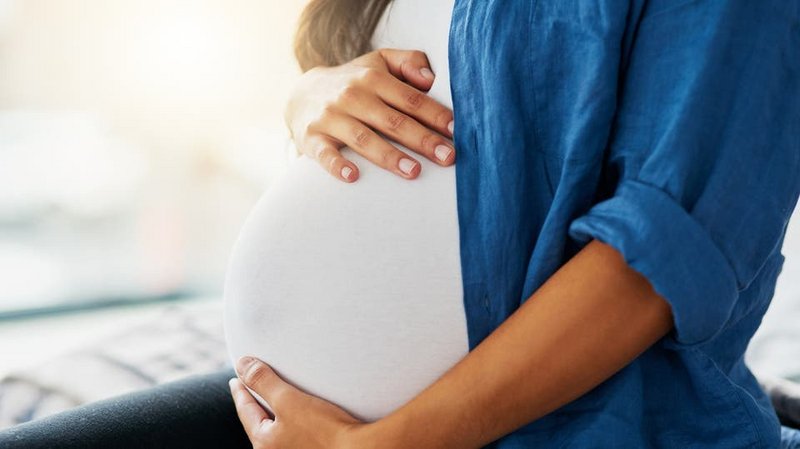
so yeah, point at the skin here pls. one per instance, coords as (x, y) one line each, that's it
(358, 103)
(588, 321)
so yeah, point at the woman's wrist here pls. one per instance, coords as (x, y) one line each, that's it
(404, 429)
(382, 434)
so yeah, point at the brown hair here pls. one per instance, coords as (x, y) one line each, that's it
(332, 32)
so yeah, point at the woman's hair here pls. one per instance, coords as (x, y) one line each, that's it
(332, 32)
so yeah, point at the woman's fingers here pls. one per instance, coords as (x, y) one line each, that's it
(363, 140)
(403, 129)
(380, 92)
(411, 66)
(326, 151)
(301, 420)
(261, 378)
(253, 417)
(416, 104)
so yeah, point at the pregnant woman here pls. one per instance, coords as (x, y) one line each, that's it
(587, 276)
(353, 291)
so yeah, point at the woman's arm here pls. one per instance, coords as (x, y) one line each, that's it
(709, 116)
(588, 321)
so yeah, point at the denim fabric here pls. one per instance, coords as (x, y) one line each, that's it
(196, 412)
(670, 130)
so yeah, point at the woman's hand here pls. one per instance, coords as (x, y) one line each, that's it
(300, 421)
(349, 105)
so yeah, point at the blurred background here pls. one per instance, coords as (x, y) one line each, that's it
(134, 138)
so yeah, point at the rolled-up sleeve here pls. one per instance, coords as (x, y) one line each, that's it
(706, 152)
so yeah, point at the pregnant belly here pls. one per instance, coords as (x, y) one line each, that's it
(351, 292)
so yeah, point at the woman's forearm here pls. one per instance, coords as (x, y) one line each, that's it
(588, 321)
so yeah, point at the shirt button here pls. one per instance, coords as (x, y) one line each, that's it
(486, 302)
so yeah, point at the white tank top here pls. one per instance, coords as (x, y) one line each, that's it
(353, 292)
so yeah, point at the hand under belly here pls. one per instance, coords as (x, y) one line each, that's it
(351, 292)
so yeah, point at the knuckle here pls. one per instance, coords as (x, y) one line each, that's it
(348, 94)
(319, 152)
(361, 136)
(395, 121)
(313, 126)
(327, 113)
(310, 127)
(374, 55)
(443, 118)
(333, 164)
(418, 55)
(406, 66)
(386, 159)
(428, 141)
(255, 374)
(370, 75)
(415, 100)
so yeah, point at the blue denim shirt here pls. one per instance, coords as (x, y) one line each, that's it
(669, 129)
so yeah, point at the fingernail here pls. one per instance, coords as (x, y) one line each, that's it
(451, 126)
(232, 383)
(243, 363)
(427, 74)
(442, 152)
(346, 172)
(407, 165)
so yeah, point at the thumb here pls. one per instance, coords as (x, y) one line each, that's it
(411, 66)
(263, 380)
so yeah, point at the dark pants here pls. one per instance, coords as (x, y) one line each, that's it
(196, 413)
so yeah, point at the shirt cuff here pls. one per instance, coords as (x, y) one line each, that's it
(659, 239)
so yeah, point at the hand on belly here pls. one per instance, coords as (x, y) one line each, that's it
(352, 292)
(350, 104)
